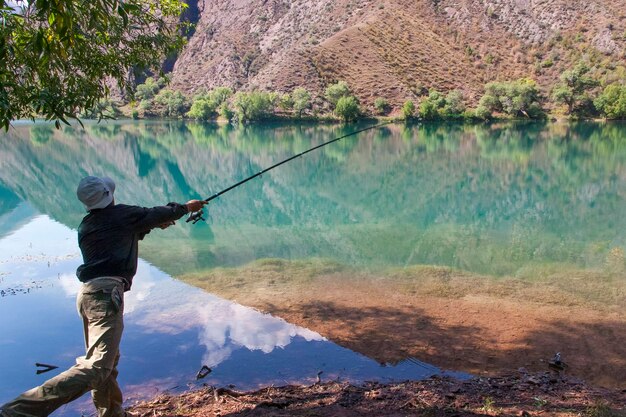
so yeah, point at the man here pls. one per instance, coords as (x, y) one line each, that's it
(108, 239)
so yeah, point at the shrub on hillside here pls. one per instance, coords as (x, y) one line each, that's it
(336, 91)
(612, 102)
(201, 110)
(454, 106)
(104, 108)
(408, 110)
(347, 108)
(149, 88)
(226, 112)
(285, 102)
(301, 100)
(438, 106)
(381, 106)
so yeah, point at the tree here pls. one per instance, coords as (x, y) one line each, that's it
(429, 107)
(454, 107)
(201, 109)
(255, 105)
(347, 108)
(172, 103)
(105, 108)
(285, 102)
(219, 95)
(225, 111)
(336, 91)
(59, 57)
(301, 100)
(149, 88)
(518, 98)
(408, 110)
(574, 90)
(206, 104)
(612, 102)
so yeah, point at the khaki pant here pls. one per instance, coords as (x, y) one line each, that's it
(100, 303)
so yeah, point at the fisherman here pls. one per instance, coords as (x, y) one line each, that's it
(108, 238)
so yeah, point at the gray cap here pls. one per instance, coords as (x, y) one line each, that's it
(95, 192)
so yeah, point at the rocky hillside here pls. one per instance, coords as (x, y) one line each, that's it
(396, 49)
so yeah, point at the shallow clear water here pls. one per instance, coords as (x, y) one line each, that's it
(497, 200)
(171, 329)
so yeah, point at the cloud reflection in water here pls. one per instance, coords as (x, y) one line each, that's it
(159, 304)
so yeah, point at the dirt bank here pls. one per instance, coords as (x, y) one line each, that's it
(521, 394)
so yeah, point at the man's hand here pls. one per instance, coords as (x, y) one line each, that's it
(195, 205)
(167, 224)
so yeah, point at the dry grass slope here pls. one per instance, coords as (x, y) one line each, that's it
(397, 49)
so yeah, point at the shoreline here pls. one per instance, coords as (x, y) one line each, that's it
(518, 394)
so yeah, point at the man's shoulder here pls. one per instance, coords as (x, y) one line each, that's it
(126, 207)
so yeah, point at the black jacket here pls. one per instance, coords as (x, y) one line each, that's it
(108, 238)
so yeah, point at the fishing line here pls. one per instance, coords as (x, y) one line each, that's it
(197, 216)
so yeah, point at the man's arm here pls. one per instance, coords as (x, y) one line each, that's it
(164, 216)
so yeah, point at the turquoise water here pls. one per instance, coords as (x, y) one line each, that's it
(492, 199)
(501, 200)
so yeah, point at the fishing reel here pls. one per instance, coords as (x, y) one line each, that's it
(196, 216)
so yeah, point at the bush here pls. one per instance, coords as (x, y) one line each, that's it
(105, 109)
(336, 91)
(428, 110)
(482, 112)
(408, 110)
(436, 106)
(347, 108)
(612, 102)
(454, 107)
(256, 105)
(149, 88)
(201, 109)
(206, 104)
(301, 100)
(226, 112)
(381, 105)
(285, 102)
(170, 103)
(219, 95)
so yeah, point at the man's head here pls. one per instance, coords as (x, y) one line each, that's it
(95, 192)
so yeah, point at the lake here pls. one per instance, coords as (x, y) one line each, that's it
(500, 201)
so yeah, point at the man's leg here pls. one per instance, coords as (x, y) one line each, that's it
(108, 397)
(103, 324)
(102, 341)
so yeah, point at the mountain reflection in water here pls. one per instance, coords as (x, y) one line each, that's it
(497, 199)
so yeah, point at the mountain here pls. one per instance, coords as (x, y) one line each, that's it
(396, 49)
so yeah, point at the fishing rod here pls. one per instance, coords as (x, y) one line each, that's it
(198, 215)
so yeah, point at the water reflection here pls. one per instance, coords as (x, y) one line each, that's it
(171, 329)
(487, 198)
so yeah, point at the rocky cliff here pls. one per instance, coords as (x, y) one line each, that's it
(396, 49)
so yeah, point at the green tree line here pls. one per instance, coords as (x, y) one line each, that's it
(577, 95)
